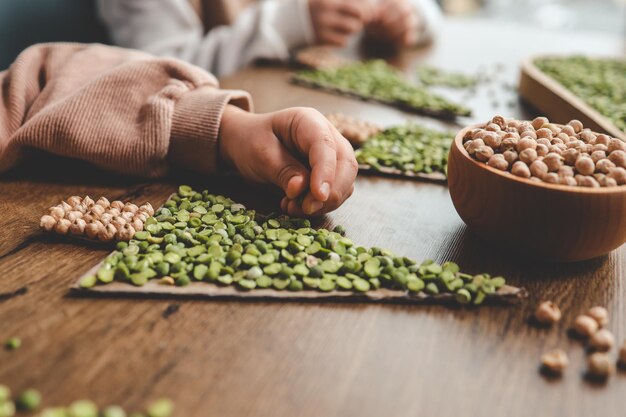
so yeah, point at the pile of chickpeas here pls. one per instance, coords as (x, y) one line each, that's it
(99, 220)
(546, 152)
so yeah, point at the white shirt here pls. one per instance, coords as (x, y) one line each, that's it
(269, 29)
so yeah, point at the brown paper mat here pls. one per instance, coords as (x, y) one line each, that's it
(204, 290)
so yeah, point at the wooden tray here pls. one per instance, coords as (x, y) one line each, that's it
(558, 103)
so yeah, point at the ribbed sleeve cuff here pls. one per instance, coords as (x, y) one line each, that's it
(195, 127)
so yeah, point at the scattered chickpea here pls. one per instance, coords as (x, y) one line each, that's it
(602, 340)
(555, 361)
(548, 313)
(585, 326)
(599, 314)
(599, 365)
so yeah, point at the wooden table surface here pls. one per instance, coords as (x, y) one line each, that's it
(296, 359)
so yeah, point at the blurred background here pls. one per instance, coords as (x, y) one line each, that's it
(24, 22)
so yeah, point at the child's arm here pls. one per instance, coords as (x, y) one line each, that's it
(131, 113)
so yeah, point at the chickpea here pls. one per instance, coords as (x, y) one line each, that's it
(544, 141)
(526, 143)
(88, 201)
(608, 182)
(476, 143)
(542, 150)
(467, 145)
(47, 223)
(599, 365)
(128, 215)
(586, 181)
(137, 225)
(103, 202)
(585, 326)
(492, 127)
(538, 122)
(509, 143)
(118, 222)
(538, 168)
(565, 171)
(568, 181)
(602, 340)
(126, 232)
(544, 133)
(553, 161)
(62, 226)
(618, 174)
(597, 156)
(604, 165)
(603, 139)
(117, 204)
(548, 313)
(510, 156)
(551, 178)
(600, 315)
(563, 137)
(597, 147)
(93, 229)
(130, 207)
(107, 233)
(114, 211)
(618, 158)
(497, 161)
(74, 200)
(585, 165)
(500, 121)
(78, 227)
(555, 361)
(492, 140)
(57, 212)
(616, 145)
(484, 153)
(587, 135)
(577, 125)
(568, 130)
(570, 156)
(520, 169)
(528, 155)
(557, 149)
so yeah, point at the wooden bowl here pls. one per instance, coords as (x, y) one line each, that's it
(547, 221)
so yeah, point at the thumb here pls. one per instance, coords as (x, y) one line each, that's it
(285, 171)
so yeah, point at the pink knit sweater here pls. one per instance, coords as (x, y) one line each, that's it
(122, 110)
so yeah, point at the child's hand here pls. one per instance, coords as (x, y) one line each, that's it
(394, 21)
(279, 147)
(335, 20)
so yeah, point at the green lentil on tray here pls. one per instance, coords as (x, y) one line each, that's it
(601, 83)
(377, 80)
(200, 237)
(408, 148)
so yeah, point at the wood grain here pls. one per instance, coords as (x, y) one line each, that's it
(243, 359)
(558, 103)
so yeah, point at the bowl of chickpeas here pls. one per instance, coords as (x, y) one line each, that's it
(555, 192)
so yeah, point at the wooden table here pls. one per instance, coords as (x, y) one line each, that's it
(293, 359)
